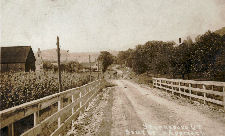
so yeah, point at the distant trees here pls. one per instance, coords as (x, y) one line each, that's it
(47, 65)
(106, 59)
(203, 59)
(125, 57)
(71, 66)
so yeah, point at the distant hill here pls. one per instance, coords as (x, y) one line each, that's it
(221, 31)
(51, 55)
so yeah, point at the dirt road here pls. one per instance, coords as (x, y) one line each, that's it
(137, 111)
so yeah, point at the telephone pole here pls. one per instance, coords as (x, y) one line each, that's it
(90, 65)
(60, 106)
(59, 70)
(98, 69)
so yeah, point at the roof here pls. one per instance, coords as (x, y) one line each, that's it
(14, 54)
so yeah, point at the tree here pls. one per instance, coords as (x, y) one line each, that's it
(125, 57)
(47, 65)
(207, 51)
(182, 59)
(106, 59)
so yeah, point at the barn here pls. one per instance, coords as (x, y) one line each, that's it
(17, 58)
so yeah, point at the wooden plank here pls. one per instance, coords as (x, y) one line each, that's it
(204, 93)
(194, 82)
(214, 101)
(60, 106)
(36, 118)
(10, 117)
(179, 89)
(189, 88)
(199, 90)
(198, 97)
(11, 129)
(73, 109)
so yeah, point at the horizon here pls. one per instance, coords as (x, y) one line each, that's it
(105, 25)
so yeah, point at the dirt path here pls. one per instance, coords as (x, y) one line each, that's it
(129, 109)
(137, 111)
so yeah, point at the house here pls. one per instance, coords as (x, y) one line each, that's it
(95, 66)
(17, 58)
(39, 61)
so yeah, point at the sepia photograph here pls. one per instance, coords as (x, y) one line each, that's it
(112, 67)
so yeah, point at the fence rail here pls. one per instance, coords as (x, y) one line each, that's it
(80, 96)
(208, 91)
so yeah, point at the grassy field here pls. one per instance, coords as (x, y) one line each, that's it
(18, 88)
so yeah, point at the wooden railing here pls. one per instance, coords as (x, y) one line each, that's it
(208, 91)
(80, 97)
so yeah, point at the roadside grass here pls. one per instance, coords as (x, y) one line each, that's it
(97, 118)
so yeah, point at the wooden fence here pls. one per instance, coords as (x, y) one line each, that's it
(207, 91)
(80, 97)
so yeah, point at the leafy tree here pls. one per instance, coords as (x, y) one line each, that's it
(206, 50)
(106, 59)
(182, 59)
(125, 57)
(204, 58)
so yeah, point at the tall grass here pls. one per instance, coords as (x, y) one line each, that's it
(18, 88)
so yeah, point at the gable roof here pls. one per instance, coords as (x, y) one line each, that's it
(14, 54)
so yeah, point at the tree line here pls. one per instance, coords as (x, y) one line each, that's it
(202, 59)
(71, 66)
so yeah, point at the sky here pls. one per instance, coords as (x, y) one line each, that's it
(96, 25)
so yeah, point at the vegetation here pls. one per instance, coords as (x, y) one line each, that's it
(203, 59)
(71, 66)
(18, 88)
(106, 59)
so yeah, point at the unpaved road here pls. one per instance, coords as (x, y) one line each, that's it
(137, 111)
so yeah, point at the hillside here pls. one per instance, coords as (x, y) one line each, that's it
(221, 31)
(51, 55)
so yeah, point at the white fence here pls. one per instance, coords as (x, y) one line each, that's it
(80, 97)
(208, 91)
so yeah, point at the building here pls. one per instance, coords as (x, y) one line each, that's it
(39, 61)
(17, 58)
(95, 66)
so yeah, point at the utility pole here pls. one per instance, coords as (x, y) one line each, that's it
(98, 69)
(90, 66)
(59, 70)
(60, 106)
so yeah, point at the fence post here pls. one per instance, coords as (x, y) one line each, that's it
(86, 93)
(160, 83)
(172, 87)
(189, 90)
(224, 97)
(60, 106)
(36, 118)
(11, 129)
(204, 93)
(153, 83)
(80, 102)
(179, 89)
(72, 108)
